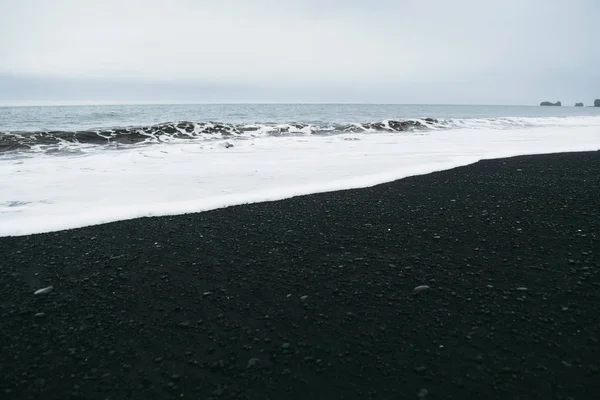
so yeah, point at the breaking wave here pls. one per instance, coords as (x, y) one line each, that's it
(56, 141)
(176, 131)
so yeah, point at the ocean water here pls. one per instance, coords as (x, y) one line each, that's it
(67, 167)
(79, 118)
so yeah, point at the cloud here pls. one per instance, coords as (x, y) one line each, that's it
(297, 44)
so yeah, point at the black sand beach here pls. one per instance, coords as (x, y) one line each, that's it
(312, 297)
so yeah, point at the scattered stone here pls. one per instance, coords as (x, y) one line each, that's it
(285, 346)
(206, 294)
(40, 314)
(421, 369)
(303, 297)
(253, 362)
(420, 289)
(522, 289)
(423, 393)
(45, 290)
(218, 365)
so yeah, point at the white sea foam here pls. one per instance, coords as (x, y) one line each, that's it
(49, 192)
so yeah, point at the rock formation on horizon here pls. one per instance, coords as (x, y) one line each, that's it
(548, 103)
(597, 103)
(578, 104)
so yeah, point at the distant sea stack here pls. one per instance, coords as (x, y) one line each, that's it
(548, 103)
(597, 103)
(578, 104)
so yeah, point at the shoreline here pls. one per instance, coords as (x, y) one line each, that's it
(47, 195)
(213, 304)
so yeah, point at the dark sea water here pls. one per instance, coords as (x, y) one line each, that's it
(71, 118)
(49, 128)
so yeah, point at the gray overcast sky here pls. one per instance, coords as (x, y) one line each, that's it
(403, 51)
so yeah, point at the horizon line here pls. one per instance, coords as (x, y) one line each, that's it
(179, 103)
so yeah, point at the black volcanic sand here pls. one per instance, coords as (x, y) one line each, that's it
(312, 297)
